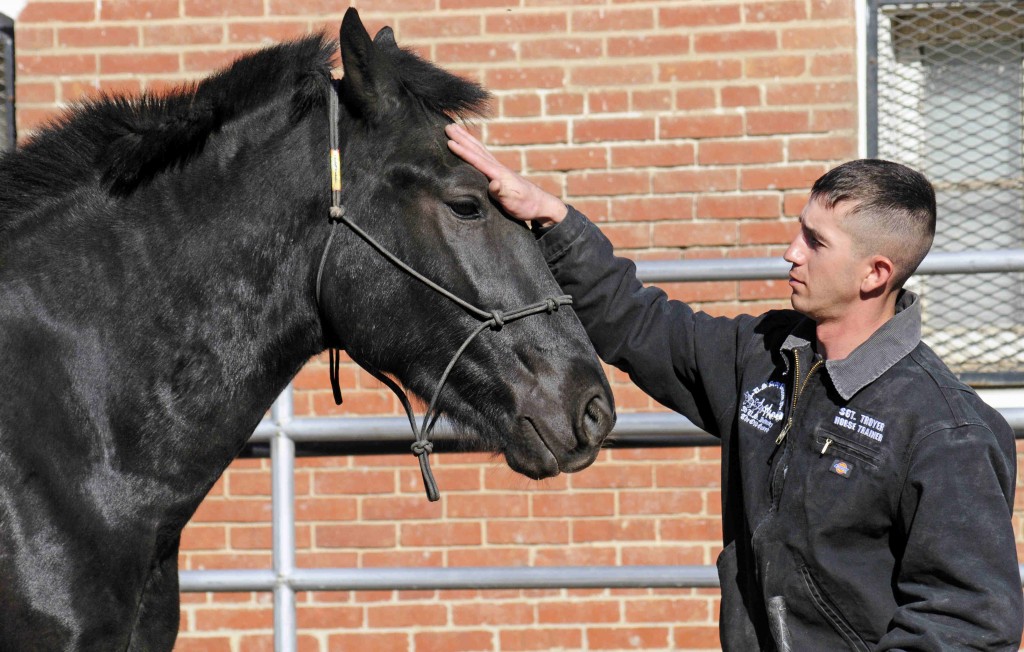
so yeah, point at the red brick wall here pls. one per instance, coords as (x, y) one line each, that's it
(687, 129)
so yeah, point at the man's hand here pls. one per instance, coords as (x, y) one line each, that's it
(520, 198)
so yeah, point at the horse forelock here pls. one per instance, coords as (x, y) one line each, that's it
(123, 141)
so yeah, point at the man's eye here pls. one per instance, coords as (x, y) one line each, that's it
(466, 209)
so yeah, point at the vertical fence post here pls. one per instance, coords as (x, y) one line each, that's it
(282, 476)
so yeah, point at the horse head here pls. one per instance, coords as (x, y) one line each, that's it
(532, 389)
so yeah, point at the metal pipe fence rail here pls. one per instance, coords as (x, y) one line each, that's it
(283, 431)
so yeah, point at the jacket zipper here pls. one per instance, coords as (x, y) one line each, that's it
(798, 390)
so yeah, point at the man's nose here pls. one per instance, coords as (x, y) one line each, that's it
(794, 254)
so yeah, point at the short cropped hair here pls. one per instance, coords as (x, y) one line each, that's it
(893, 213)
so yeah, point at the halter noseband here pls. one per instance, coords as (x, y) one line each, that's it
(493, 319)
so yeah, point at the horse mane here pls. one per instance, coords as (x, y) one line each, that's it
(122, 142)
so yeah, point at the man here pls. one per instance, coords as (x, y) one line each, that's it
(867, 494)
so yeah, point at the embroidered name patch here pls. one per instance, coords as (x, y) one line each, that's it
(862, 424)
(762, 406)
(842, 467)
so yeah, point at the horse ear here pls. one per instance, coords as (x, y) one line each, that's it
(385, 38)
(367, 77)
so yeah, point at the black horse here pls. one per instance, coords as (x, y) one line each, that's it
(159, 260)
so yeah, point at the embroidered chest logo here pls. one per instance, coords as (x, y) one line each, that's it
(860, 423)
(763, 405)
(842, 467)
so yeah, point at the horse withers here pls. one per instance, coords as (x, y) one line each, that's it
(159, 259)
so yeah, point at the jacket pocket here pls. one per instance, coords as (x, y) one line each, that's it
(829, 443)
(827, 608)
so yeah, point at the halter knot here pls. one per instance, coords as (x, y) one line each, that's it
(498, 317)
(552, 305)
(421, 447)
(337, 212)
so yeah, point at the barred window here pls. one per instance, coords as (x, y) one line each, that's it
(7, 132)
(945, 94)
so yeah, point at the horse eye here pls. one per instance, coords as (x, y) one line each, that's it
(466, 209)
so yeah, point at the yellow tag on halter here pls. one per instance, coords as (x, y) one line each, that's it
(335, 170)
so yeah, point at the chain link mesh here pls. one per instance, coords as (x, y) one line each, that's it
(949, 98)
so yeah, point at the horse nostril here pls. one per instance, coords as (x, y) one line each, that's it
(596, 422)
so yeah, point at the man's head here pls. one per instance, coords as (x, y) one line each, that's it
(865, 229)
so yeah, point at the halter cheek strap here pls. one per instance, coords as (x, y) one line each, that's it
(493, 319)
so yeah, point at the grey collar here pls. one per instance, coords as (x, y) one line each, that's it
(886, 346)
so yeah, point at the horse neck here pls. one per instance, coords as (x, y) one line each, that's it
(224, 314)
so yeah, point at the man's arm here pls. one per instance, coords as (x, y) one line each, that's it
(957, 580)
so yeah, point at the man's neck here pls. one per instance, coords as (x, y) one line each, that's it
(837, 338)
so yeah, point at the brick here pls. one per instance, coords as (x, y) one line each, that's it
(377, 641)
(735, 41)
(183, 34)
(406, 615)
(218, 510)
(55, 12)
(652, 208)
(598, 530)
(138, 64)
(398, 508)
(204, 644)
(472, 4)
(56, 64)
(576, 556)
(694, 474)
(822, 9)
(689, 70)
(328, 617)
(690, 234)
(223, 619)
(670, 155)
(610, 129)
(649, 45)
(616, 75)
(356, 535)
(138, 9)
(492, 613)
(660, 502)
(698, 15)
(744, 96)
(474, 52)
(577, 504)
(751, 290)
(525, 23)
(487, 506)
(604, 20)
(815, 38)
(525, 78)
(440, 534)
(567, 158)
(93, 37)
(774, 12)
(785, 177)
(699, 638)
(834, 65)
(695, 180)
(654, 100)
(527, 132)
(36, 93)
(692, 529)
(432, 27)
(739, 151)
(822, 149)
(521, 105)
(823, 93)
(608, 101)
(561, 48)
(776, 66)
(578, 611)
(563, 103)
(455, 641)
(527, 532)
(540, 639)
(225, 8)
(354, 481)
(199, 537)
(695, 98)
(665, 610)
(777, 122)
(489, 556)
(701, 126)
(613, 638)
(34, 37)
(738, 206)
(628, 236)
(608, 183)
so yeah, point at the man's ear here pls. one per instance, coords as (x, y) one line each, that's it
(879, 276)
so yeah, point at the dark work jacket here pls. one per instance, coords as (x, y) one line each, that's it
(866, 502)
